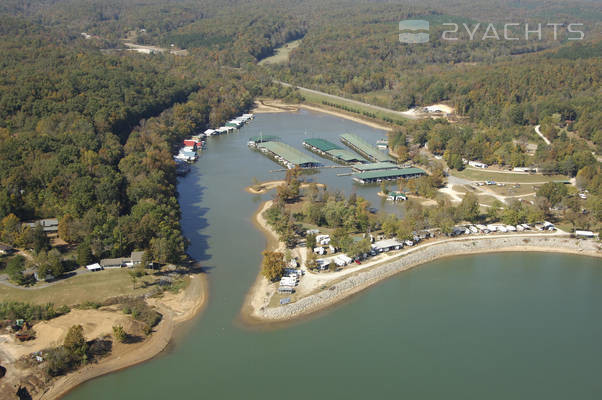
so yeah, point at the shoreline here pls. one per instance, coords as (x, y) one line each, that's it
(269, 185)
(277, 107)
(255, 312)
(260, 284)
(196, 292)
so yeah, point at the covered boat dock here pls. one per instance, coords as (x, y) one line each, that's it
(255, 140)
(377, 166)
(287, 155)
(388, 175)
(364, 148)
(332, 151)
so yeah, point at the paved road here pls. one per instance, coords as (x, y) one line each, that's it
(404, 114)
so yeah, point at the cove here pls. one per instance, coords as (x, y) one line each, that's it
(499, 326)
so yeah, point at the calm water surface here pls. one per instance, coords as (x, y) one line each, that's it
(502, 326)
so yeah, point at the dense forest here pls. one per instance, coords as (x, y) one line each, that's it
(87, 131)
(88, 138)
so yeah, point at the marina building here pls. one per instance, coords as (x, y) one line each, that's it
(388, 175)
(255, 140)
(287, 155)
(377, 166)
(332, 151)
(364, 148)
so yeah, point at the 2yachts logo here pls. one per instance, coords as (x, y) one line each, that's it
(418, 31)
(414, 31)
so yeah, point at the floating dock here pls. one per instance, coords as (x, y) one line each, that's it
(255, 140)
(388, 175)
(364, 148)
(330, 150)
(377, 166)
(287, 155)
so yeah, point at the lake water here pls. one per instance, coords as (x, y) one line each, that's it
(500, 326)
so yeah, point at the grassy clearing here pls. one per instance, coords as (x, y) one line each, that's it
(486, 199)
(282, 53)
(318, 99)
(93, 287)
(483, 175)
(510, 190)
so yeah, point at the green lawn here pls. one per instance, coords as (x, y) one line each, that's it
(282, 53)
(510, 190)
(318, 99)
(483, 175)
(94, 287)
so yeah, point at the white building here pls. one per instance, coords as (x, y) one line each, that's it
(585, 234)
(477, 164)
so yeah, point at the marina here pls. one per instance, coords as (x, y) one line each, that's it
(388, 175)
(255, 140)
(364, 148)
(377, 166)
(484, 304)
(332, 151)
(287, 155)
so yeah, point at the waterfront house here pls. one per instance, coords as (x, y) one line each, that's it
(50, 225)
(114, 262)
(194, 144)
(136, 257)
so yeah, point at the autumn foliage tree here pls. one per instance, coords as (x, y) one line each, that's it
(272, 265)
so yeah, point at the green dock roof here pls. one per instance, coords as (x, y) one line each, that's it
(346, 155)
(321, 144)
(375, 166)
(263, 138)
(389, 174)
(364, 148)
(289, 153)
(334, 150)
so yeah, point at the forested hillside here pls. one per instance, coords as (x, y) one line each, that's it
(88, 137)
(87, 130)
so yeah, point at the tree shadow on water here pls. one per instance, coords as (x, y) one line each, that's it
(194, 220)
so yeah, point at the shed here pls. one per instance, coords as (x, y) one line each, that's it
(94, 267)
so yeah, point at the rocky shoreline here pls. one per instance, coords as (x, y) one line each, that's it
(423, 254)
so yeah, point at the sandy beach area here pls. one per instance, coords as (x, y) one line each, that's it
(269, 185)
(175, 308)
(325, 290)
